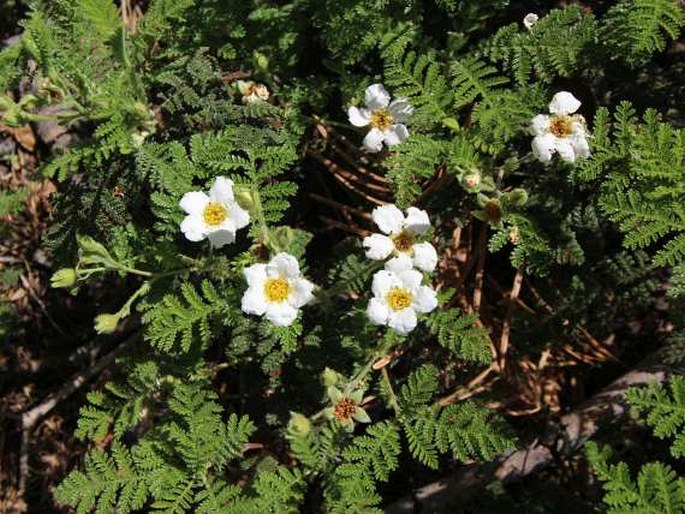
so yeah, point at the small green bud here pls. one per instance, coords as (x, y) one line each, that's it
(65, 277)
(517, 197)
(261, 61)
(106, 323)
(281, 238)
(299, 425)
(245, 197)
(471, 181)
(329, 377)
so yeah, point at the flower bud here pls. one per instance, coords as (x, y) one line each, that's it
(299, 425)
(65, 277)
(245, 197)
(471, 181)
(529, 20)
(106, 323)
(329, 377)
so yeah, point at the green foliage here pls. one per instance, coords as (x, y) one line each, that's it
(555, 47)
(634, 29)
(371, 457)
(182, 320)
(214, 410)
(641, 169)
(465, 430)
(665, 408)
(461, 334)
(657, 488)
(12, 202)
(201, 444)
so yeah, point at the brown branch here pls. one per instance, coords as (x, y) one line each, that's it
(480, 267)
(566, 437)
(334, 223)
(340, 206)
(506, 325)
(469, 389)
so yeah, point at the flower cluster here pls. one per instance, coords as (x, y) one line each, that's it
(276, 289)
(398, 293)
(561, 132)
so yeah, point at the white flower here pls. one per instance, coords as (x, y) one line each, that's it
(252, 92)
(401, 239)
(561, 132)
(276, 290)
(398, 295)
(215, 216)
(387, 119)
(530, 19)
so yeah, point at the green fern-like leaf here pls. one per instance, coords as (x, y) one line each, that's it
(182, 320)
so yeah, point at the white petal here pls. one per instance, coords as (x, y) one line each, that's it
(281, 314)
(425, 299)
(564, 103)
(401, 109)
(358, 117)
(383, 281)
(220, 238)
(399, 264)
(373, 141)
(193, 228)
(378, 246)
(395, 134)
(253, 301)
(425, 256)
(388, 218)
(411, 279)
(222, 190)
(539, 125)
(580, 146)
(417, 220)
(194, 202)
(565, 150)
(543, 148)
(302, 292)
(255, 275)
(403, 321)
(283, 265)
(377, 311)
(239, 216)
(376, 96)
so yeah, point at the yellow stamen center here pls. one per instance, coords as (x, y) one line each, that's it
(404, 241)
(276, 290)
(381, 119)
(561, 126)
(214, 214)
(344, 409)
(398, 299)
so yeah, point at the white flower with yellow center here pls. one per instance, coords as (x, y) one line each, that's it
(216, 216)
(387, 119)
(276, 290)
(398, 295)
(562, 132)
(400, 236)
